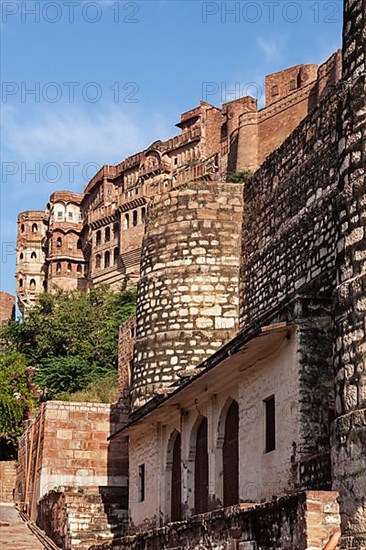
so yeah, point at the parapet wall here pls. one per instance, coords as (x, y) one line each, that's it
(300, 521)
(188, 293)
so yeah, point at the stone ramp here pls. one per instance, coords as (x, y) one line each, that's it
(14, 533)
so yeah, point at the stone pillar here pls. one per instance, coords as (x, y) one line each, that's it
(188, 292)
(349, 445)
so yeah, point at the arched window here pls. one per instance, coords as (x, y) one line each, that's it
(79, 269)
(143, 214)
(107, 259)
(201, 469)
(34, 228)
(58, 242)
(176, 480)
(79, 244)
(69, 268)
(32, 284)
(107, 234)
(115, 256)
(98, 261)
(230, 456)
(33, 255)
(20, 283)
(126, 223)
(21, 256)
(58, 267)
(98, 237)
(22, 228)
(134, 218)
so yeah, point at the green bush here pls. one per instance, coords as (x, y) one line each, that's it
(18, 397)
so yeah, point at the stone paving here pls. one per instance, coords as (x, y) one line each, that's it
(14, 533)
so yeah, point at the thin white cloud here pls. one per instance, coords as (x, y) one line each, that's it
(272, 48)
(73, 134)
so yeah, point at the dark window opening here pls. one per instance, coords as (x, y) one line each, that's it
(127, 221)
(98, 238)
(79, 244)
(230, 456)
(115, 256)
(97, 261)
(134, 218)
(58, 267)
(107, 234)
(275, 90)
(33, 256)
(270, 424)
(59, 242)
(20, 282)
(21, 256)
(34, 228)
(201, 470)
(292, 85)
(32, 284)
(107, 259)
(69, 268)
(176, 493)
(141, 483)
(22, 228)
(79, 269)
(143, 214)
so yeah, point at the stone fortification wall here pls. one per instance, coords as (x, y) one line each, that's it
(188, 292)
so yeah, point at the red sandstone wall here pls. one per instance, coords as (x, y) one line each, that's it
(7, 307)
(7, 480)
(70, 447)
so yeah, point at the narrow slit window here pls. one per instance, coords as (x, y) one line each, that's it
(141, 482)
(270, 424)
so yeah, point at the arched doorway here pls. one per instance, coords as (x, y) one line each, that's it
(176, 482)
(201, 469)
(230, 456)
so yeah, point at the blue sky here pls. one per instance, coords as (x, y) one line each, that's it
(110, 77)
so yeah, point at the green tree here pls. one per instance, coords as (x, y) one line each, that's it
(71, 338)
(18, 396)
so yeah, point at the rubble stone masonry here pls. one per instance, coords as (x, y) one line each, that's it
(288, 219)
(188, 292)
(349, 449)
(300, 521)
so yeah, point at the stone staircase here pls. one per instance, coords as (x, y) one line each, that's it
(84, 517)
